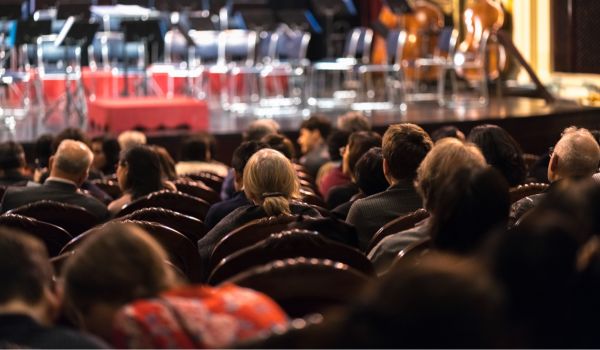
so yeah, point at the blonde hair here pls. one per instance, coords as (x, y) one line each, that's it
(446, 157)
(270, 179)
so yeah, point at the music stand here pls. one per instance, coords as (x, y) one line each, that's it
(329, 9)
(299, 19)
(74, 8)
(147, 32)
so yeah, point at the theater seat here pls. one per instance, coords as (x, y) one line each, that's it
(304, 286)
(211, 180)
(522, 191)
(73, 218)
(54, 237)
(311, 198)
(413, 251)
(197, 189)
(111, 187)
(400, 224)
(176, 201)
(290, 244)
(189, 226)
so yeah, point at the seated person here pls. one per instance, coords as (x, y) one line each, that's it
(240, 157)
(271, 183)
(122, 264)
(313, 133)
(106, 154)
(447, 156)
(13, 167)
(331, 174)
(197, 155)
(130, 138)
(167, 164)
(282, 144)
(28, 303)
(69, 168)
(139, 173)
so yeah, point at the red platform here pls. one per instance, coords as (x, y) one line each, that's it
(151, 113)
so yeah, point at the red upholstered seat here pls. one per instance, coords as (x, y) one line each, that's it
(189, 226)
(197, 189)
(311, 198)
(400, 224)
(211, 180)
(54, 237)
(176, 201)
(522, 191)
(111, 187)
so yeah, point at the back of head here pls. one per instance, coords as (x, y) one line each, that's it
(404, 147)
(318, 122)
(336, 140)
(242, 154)
(43, 150)
(12, 156)
(442, 302)
(446, 156)
(270, 179)
(353, 121)
(358, 144)
(577, 154)
(282, 144)
(72, 159)
(470, 205)
(447, 131)
(368, 172)
(144, 173)
(167, 164)
(131, 138)
(500, 151)
(69, 134)
(116, 265)
(25, 268)
(259, 129)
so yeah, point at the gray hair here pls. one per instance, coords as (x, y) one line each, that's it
(578, 152)
(128, 139)
(73, 157)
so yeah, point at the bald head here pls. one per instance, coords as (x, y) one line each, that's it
(72, 161)
(576, 154)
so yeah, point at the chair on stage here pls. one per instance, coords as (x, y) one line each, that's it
(291, 283)
(290, 244)
(237, 50)
(189, 226)
(176, 201)
(54, 237)
(73, 218)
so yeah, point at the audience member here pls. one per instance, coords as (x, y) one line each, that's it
(313, 133)
(331, 174)
(404, 147)
(139, 173)
(167, 164)
(28, 302)
(575, 155)
(42, 151)
(500, 151)
(271, 183)
(128, 139)
(448, 156)
(106, 154)
(238, 162)
(353, 121)
(13, 166)
(197, 155)
(260, 128)
(282, 144)
(69, 167)
(447, 131)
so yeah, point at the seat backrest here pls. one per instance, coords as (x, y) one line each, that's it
(111, 187)
(54, 59)
(292, 45)
(530, 160)
(109, 48)
(73, 218)
(237, 45)
(197, 189)
(394, 45)
(206, 45)
(176, 201)
(247, 235)
(211, 180)
(304, 286)
(522, 191)
(182, 252)
(290, 244)
(53, 236)
(189, 226)
(311, 198)
(266, 48)
(413, 251)
(358, 44)
(400, 224)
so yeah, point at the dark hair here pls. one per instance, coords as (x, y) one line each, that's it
(404, 148)
(282, 144)
(596, 134)
(500, 151)
(243, 153)
(359, 143)
(470, 204)
(111, 150)
(368, 172)
(12, 155)
(69, 134)
(42, 150)
(24, 267)
(445, 131)
(318, 122)
(199, 148)
(336, 140)
(167, 164)
(144, 173)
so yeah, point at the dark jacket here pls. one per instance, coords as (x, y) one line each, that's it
(220, 210)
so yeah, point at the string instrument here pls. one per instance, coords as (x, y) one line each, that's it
(479, 17)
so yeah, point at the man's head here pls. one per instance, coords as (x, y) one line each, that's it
(260, 128)
(313, 132)
(353, 122)
(199, 148)
(12, 156)
(26, 277)
(241, 155)
(575, 155)
(71, 161)
(404, 147)
(131, 138)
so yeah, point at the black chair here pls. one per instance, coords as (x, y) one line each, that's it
(247, 235)
(111, 187)
(413, 252)
(176, 201)
(73, 218)
(290, 244)
(197, 189)
(211, 180)
(400, 224)
(522, 191)
(59, 261)
(54, 237)
(182, 252)
(312, 198)
(304, 286)
(189, 226)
